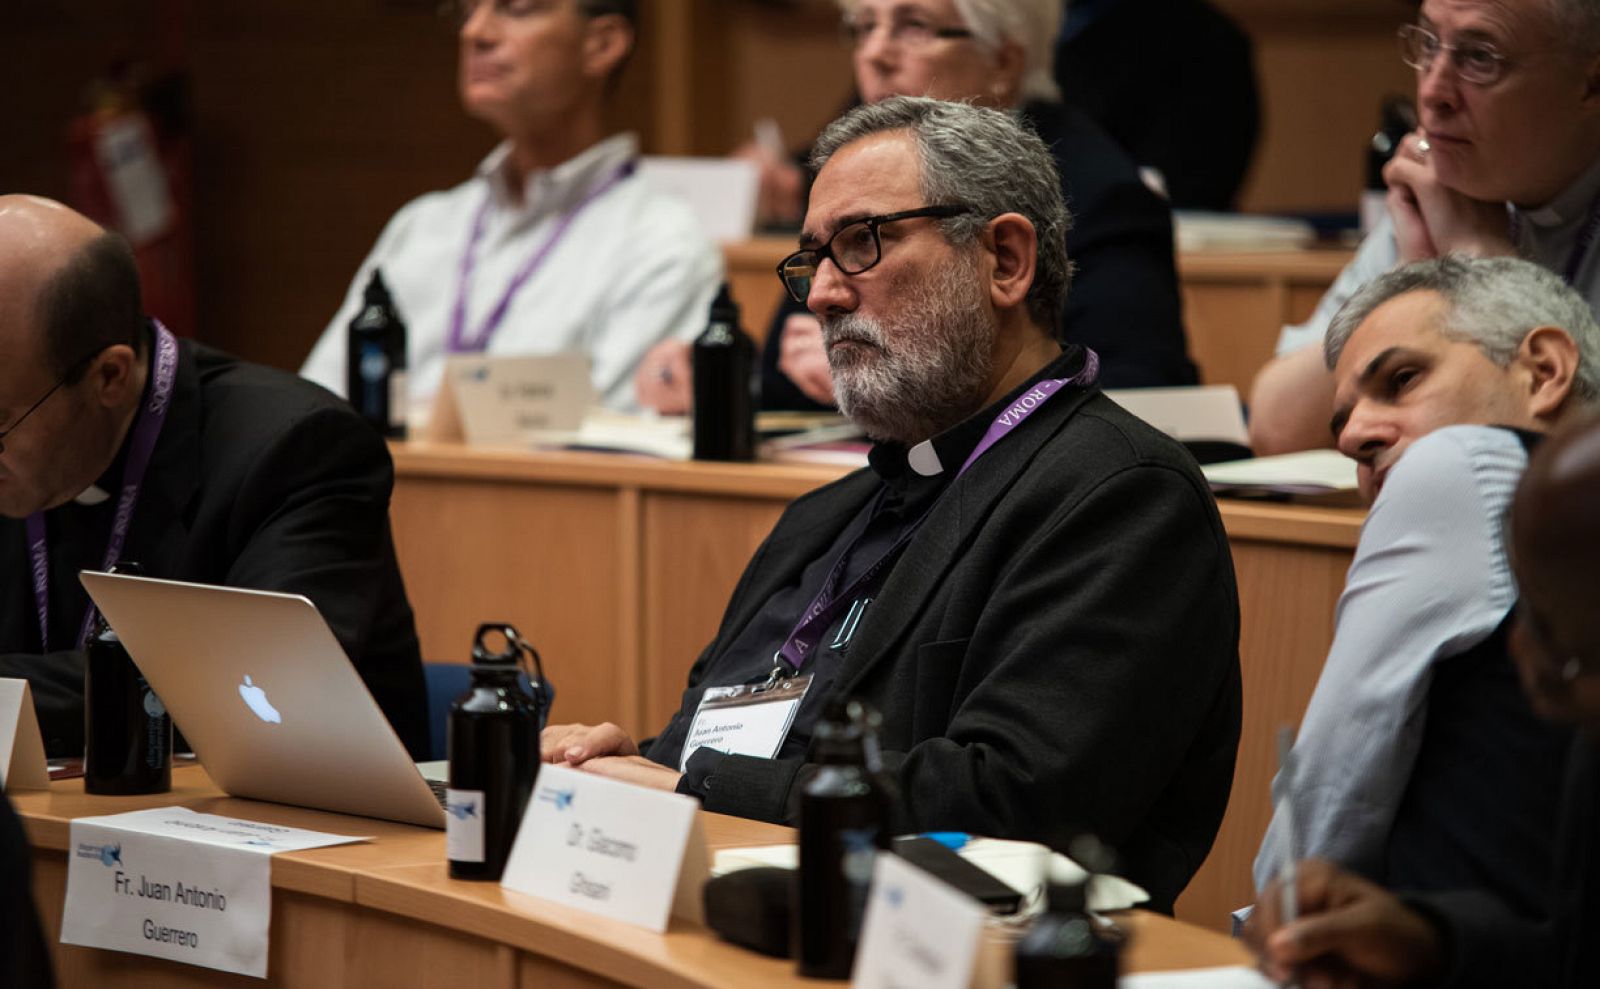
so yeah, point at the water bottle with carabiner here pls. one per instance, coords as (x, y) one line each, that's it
(493, 749)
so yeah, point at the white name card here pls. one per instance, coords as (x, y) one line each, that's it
(622, 851)
(510, 401)
(171, 883)
(918, 931)
(22, 765)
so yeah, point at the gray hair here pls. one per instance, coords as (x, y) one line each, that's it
(1031, 25)
(1491, 302)
(980, 158)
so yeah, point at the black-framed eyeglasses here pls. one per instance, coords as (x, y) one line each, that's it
(71, 372)
(906, 31)
(1477, 62)
(853, 248)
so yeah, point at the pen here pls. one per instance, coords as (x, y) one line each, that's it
(1289, 903)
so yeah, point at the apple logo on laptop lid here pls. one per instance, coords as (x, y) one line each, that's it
(256, 699)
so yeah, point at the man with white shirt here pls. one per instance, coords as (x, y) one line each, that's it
(555, 244)
(1505, 162)
(1419, 763)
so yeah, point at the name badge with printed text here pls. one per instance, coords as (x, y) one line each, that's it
(750, 719)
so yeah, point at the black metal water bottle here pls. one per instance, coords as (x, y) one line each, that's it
(1066, 948)
(127, 731)
(724, 407)
(843, 825)
(375, 369)
(493, 748)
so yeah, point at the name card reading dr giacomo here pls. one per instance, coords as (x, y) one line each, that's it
(171, 883)
(627, 852)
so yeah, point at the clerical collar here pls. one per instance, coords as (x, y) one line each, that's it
(1572, 205)
(944, 454)
(546, 190)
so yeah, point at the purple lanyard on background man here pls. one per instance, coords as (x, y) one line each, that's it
(141, 444)
(460, 341)
(797, 648)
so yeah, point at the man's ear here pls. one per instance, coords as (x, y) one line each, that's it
(607, 41)
(112, 377)
(1549, 355)
(1015, 245)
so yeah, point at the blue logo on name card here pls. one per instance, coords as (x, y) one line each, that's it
(461, 811)
(106, 855)
(561, 798)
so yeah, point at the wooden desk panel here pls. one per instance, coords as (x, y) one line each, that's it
(683, 534)
(388, 915)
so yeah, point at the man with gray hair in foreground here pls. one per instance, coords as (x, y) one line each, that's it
(1032, 586)
(1419, 764)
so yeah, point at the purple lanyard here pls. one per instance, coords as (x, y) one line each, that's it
(1580, 249)
(825, 607)
(460, 342)
(141, 444)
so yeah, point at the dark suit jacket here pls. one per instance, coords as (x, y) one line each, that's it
(1489, 944)
(1056, 651)
(1124, 300)
(24, 959)
(259, 480)
(1173, 82)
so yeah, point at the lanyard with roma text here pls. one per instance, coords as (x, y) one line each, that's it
(460, 342)
(141, 444)
(797, 648)
(1580, 249)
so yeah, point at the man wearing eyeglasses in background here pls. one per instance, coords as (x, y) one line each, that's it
(1031, 585)
(120, 443)
(555, 244)
(1506, 161)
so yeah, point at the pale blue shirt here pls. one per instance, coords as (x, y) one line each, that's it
(1430, 580)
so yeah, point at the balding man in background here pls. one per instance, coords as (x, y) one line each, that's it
(119, 442)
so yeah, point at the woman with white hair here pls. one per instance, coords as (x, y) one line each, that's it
(1124, 301)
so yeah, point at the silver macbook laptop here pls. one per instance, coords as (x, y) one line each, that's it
(264, 693)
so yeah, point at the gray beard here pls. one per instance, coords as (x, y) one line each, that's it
(928, 365)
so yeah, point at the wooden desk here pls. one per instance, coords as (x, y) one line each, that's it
(1234, 302)
(385, 913)
(618, 570)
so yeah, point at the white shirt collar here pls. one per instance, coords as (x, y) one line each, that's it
(94, 494)
(547, 189)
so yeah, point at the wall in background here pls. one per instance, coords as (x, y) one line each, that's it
(315, 120)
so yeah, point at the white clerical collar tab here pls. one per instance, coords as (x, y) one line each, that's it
(924, 459)
(92, 495)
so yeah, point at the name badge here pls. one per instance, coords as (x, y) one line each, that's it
(750, 719)
(918, 931)
(622, 851)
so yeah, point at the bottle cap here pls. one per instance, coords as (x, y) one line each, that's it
(723, 308)
(377, 293)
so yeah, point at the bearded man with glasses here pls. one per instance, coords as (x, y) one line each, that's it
(1505, 161)
(1031, 585)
